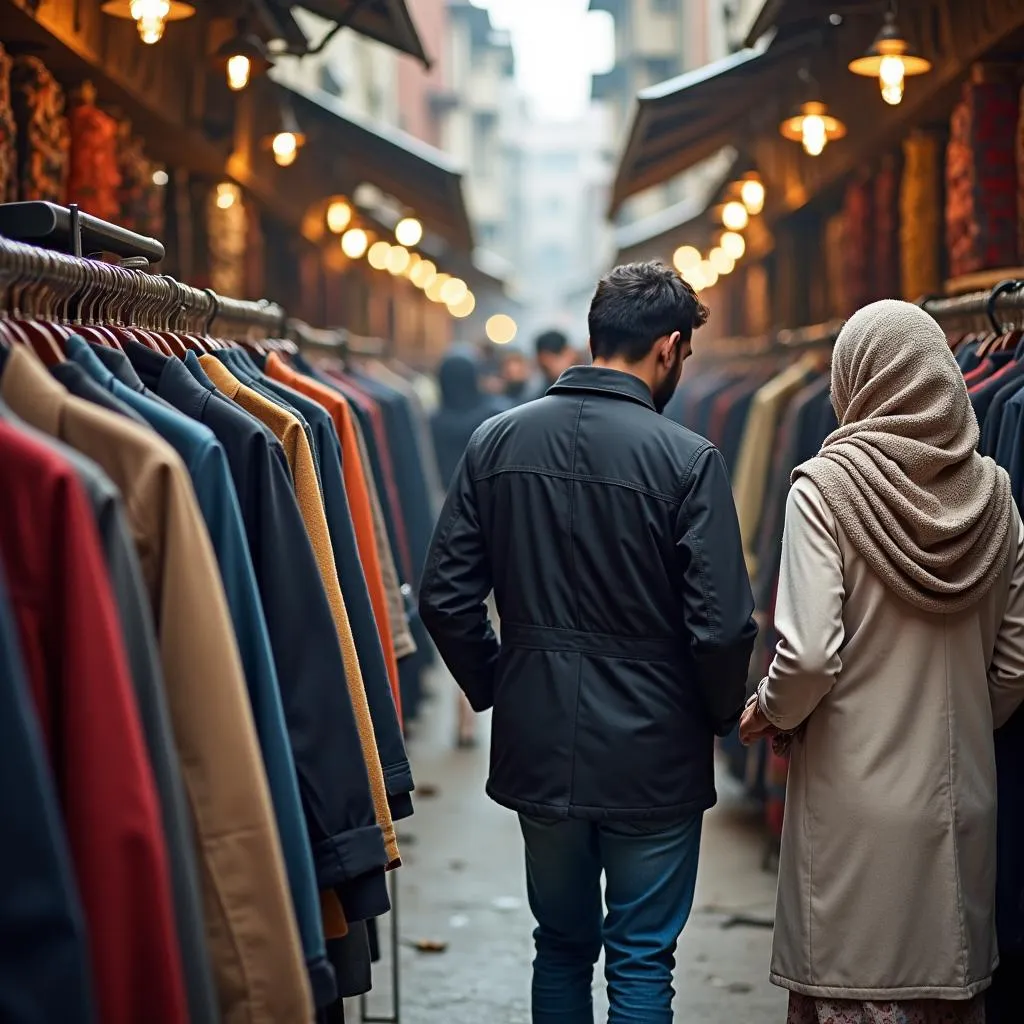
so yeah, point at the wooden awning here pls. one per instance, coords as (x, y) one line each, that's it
(386, 21)
(349, 151)
(687, 119)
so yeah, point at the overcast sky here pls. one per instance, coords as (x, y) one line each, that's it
(557, 45)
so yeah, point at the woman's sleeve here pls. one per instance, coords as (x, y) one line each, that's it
(1006, 673)
(808, 613)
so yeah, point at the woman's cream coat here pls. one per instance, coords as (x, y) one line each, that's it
(887, 876)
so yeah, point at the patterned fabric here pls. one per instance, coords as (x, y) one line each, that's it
(43, 135)
(920, 216)
(94, 178)
(805, 1010)
(981, 179)
(8, 134)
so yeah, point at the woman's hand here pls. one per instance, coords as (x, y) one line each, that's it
(754, 726)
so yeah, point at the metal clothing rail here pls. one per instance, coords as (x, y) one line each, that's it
(994, 305)
(338, 340)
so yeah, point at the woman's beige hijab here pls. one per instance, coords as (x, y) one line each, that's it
(901, 475)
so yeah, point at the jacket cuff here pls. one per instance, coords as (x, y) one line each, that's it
(323, 981)
(400, 806)
(365, 897)
(398, 778)
(349, 855)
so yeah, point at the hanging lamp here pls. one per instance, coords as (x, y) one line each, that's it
(150, 16)
(286, 142)
(890, 60)
(812, 125)
(243, 57)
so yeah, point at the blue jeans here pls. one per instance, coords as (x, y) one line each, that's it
(650, 873)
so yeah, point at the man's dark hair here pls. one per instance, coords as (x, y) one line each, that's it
(552, 342)
(638, 303)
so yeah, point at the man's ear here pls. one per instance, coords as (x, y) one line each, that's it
(670, 346)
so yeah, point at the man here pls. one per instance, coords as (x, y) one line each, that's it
(554, 356)
(610, 539)
(515, 371)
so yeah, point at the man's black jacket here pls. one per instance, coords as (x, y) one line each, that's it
(609, 536)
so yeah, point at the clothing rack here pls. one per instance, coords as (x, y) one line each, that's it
(337, 340)
(992, 306)
(68, 230)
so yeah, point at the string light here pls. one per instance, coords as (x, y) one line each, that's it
(501, 329)
(398, 260)
(378, 255)
(339, 216)
(460, 310)
(409, 231)
(685, 258)
(752, 193)
(423, 274)
(454, 291)
(733, 244)
(708, 274)
(227, 195)
(286, 148)
(435, 288)
(721, 262)
(354, 243)
(735, 216)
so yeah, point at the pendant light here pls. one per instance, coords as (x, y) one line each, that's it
(812, 125)
(242, 57)
(287, 141)
(752, 193)
(890, 60)
(150, 16)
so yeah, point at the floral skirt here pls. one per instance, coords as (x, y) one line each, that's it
(806, 1010)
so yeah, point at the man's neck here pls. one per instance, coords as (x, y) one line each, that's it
(638, 370)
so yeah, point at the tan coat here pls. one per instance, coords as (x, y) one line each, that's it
(251, 932)
(887, 874)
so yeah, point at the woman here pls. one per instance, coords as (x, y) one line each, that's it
(464, 407)
(901, 616)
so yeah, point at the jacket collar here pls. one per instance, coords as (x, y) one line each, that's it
(613, 383)
(32, 393)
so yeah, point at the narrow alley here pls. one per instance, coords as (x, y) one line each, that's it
(463, 886)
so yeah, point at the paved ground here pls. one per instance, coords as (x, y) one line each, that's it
(462, 884)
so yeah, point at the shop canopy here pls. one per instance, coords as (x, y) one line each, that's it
(386, 21)
(683, 121)
(350, 151)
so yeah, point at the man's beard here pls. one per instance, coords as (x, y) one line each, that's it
(667, 388)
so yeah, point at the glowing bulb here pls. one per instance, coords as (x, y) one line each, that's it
(423, 274)
(813, 134)
(339, 216)
(752, 194)
(239, 68)
(694, 277)
(378, 255)
(286, 148)
(150, 18)
(891, 77)
(354, 243)
(409, 231)
(708, 274)
(460, 310)
(398, 260)
(685, 258)
(721, 261)
(436, 286)
(500, 329)
(415, 259)
(733, 244)
(454, 291)
(735, 216)
(160, 178)
(227, 195)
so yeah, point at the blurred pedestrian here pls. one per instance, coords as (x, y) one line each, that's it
(609, 536)
(554, 356)
(515, 371)
(464, 406)
(901, 616)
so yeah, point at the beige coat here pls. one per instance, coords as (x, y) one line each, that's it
(887, 874)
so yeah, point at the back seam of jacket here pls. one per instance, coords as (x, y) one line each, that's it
(573, 582)
(952, 809)
(584, 477)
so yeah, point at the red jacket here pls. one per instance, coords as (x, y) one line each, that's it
(75, 660)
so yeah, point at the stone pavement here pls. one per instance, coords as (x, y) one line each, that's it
(462, 884)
